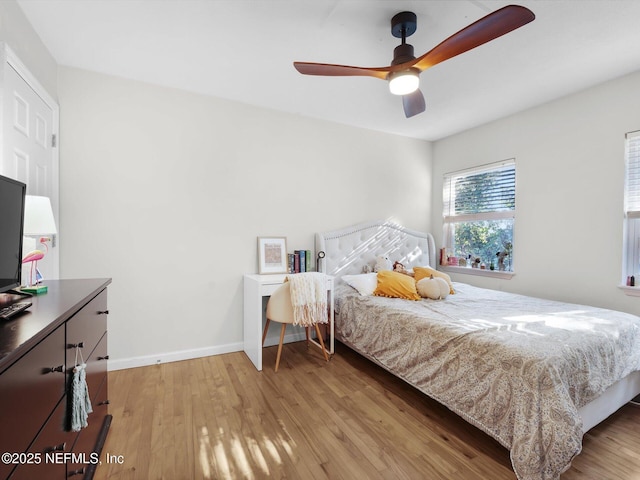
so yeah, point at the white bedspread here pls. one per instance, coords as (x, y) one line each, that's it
(517, 367)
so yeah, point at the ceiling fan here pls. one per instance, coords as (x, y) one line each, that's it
(403, 73)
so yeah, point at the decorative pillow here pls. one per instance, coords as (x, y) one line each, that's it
(426, 272)
(382, 263)
(435, 288)
(365, 284)
(396, 285)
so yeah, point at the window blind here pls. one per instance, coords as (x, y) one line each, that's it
(487, 192)
(632, 155)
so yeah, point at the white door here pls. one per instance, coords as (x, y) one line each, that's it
(28, 146)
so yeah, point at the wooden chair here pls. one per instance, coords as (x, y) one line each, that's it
(280, 309)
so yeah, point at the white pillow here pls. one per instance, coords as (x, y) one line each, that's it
(365, 283)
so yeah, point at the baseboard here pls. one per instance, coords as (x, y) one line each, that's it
(166, 357)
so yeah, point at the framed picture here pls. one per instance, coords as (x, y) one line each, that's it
(272, 255)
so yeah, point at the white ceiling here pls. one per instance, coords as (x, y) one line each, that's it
(243, 50)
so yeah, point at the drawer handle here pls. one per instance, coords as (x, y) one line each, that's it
(104, 402)
(106, 357)
(76, 345)
(80, 471)
(103, 312)
(56, 448)
(59, 368)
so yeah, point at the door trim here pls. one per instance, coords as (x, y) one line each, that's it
(9, 59)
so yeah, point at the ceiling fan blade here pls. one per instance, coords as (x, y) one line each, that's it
(488, 28)
(330, 70)
(413, 103)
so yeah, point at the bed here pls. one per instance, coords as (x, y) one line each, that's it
(532, 373)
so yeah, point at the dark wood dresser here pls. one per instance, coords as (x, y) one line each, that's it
(37, 356)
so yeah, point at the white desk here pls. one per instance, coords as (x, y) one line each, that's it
(255, 288)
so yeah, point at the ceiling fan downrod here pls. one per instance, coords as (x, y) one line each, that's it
(407, 81)
(403, 25)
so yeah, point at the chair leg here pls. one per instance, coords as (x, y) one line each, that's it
(264, 334)
(306, 332)
(284, 327)
(324, 351)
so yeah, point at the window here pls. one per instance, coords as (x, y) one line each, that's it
(632, 207)
(479, 213)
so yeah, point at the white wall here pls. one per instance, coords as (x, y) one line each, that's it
(570, 181)
(17, 32)
(167, 192)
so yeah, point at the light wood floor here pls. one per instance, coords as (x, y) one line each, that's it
(219, 418)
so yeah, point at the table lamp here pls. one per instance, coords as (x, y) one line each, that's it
(38, 220)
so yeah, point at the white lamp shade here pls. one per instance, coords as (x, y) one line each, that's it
(38, 216)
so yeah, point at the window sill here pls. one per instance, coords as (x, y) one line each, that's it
(480, 272)
(631, 291)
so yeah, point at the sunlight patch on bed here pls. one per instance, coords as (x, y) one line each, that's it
(575, 320)
(413, 255)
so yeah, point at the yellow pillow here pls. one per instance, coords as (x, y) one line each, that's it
(426, 272)
(396, 285)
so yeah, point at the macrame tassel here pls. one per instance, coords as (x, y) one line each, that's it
(80, 400)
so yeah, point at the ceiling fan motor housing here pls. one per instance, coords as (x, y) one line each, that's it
(402, 53)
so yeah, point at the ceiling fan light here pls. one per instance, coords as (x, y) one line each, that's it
(404, 82)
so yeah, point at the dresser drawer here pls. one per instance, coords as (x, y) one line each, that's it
(50, 447)
(97, 367)
(86, 328)
(35, 383)
(85, 446)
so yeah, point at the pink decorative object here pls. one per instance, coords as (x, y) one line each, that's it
(33, 257)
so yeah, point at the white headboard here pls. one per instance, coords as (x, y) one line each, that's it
(349, 249)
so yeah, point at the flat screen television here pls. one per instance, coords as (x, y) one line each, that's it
(12, 198)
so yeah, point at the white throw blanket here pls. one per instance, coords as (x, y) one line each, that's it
(309, 298)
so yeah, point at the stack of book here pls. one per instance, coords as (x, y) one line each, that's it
(300, 261)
